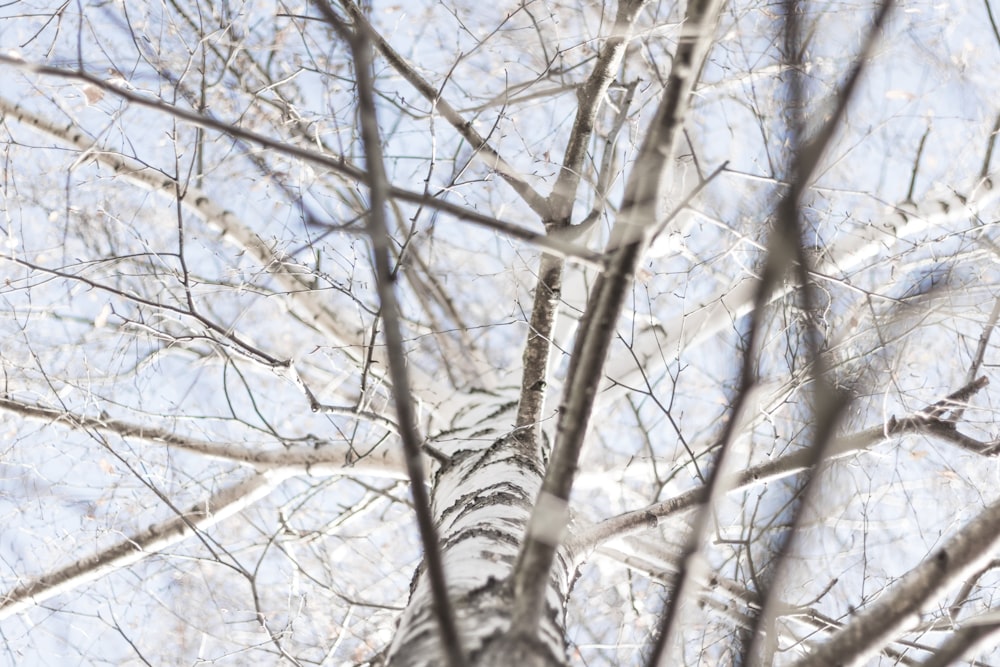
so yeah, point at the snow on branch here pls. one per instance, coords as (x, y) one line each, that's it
(934, 420)
(332, 458)
(197, 518)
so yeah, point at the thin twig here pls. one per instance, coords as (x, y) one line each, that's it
(923, 421)
(337, 164)
(484, 151)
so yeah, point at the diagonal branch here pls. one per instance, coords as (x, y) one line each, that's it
(827, 403)
(293, 277)
(406, 418)
(968, 638)
(336, 164)
(925, 420)
(650, 558)
(591, 95)
(333, 458)
(882, 620)
(199, 517)
(590, 350)
(549, 289)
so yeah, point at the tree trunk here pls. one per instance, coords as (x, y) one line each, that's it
(481, 504)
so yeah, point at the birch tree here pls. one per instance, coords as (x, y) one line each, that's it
(534, 333)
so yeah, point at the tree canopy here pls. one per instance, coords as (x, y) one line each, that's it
(538, 333)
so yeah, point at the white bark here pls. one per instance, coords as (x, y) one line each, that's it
(200, 517)
(481, 504)
(900, 607)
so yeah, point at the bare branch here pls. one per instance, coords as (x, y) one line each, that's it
(879, 622)
(293, 277)
(590, 350)
(378, 231)
(196, 519)
(484, 151)
(591, 95)
(336, 164)
(537, 349)
(930, 420)
(333, 458)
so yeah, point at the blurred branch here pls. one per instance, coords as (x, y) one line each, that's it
(892, 612)
(789, 250)
(808, 158)
(590, 97)
(549, 288)
(735, 601)
(406, 419)
(933, 420)
(199, 517)
(990, 144)
(916, 165)
(962, 642)
(715, 314)
(993, 21)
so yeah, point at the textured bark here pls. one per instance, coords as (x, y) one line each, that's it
(481, 504)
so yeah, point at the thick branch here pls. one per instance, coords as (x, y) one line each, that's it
(964, 642)
(604, 306)
(538, 347)
(590, 95)
(535, 359)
